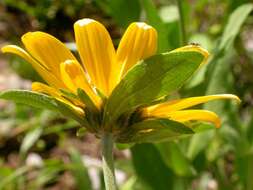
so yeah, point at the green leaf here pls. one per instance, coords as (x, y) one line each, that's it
(217, 69)
(150, 167)
(19, 172)
(175, 159)
(154, 130)
(198, 143)
(244, 164)
(155, 20)
(122, 16)
(79, 171)
(151, 80)
(232, 29)
(49, 173)
(81, 132)
(236, 19)
(67, 111)
(29, 140)
(116, 9)
(30, 98)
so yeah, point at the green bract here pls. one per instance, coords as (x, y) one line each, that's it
(146, 82)
(151, 80)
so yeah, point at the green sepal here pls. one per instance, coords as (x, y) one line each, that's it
(154, 130)
(79, 170)
(100, 94)
(150, 80)
(92, 114)
(67, 94)
(86, 100)
(67, 111)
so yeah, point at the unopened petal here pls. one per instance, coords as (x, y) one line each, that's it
(180, 104)
(47, 50)
(194, 115)
(74, 77)
(45, 89)
(97, 53)
(138, 42)
(43, 70)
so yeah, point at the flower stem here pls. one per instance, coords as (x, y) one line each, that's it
(183, 38)
(108, 164)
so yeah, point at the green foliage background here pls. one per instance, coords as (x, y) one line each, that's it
(215, 159)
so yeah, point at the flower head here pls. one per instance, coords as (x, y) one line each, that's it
(88, 85)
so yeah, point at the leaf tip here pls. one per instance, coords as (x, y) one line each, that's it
(195, 48)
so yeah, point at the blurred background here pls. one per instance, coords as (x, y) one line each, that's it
(40, 149)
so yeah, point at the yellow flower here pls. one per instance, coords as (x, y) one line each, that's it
(102, 67)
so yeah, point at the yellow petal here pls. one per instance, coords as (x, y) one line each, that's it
(41, 69)
(45, 89)
(180, 104)
(47, 50)
(196, 48)
(197, 115)
(74, 77)
(138, 42)
(97, 53)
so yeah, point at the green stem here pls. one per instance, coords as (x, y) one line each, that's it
(108, 164)
(183, 38)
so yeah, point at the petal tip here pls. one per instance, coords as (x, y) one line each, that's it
(143, 25)
(196, 48)
(84, 22)
(4, 49)
(238, 100)
(233, 97)
(8, 48)
(203, 51)
(31, 35)
(26, 35)
(13, 49)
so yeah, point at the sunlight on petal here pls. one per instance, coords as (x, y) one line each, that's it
(43, 88)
